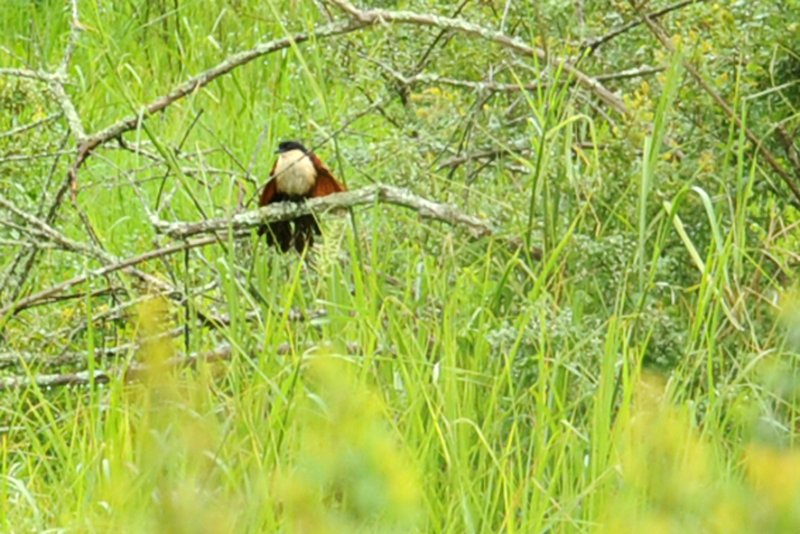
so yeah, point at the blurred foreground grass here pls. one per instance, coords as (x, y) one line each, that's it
(319, 443)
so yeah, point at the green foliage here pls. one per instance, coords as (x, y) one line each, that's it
(409, 378)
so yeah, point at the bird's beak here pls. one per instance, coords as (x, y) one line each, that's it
(277, 151)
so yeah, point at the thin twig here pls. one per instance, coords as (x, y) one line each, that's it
(788, 146)
(111, 263)
(428, 78)
(24, 244)
(82, 378)
(254, 158)
(630, 73)
(58, 79)
(31, 126)
(423, 61)
(29, 157)
(595, 43)
(50, 214)
(505, 16)
(14, 56)
(524, 147)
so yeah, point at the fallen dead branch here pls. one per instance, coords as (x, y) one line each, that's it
(79, 360)
(49, 381)
(136, 370)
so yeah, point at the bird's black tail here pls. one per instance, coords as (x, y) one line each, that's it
(282, 234)
(278, 233)
(305, 227)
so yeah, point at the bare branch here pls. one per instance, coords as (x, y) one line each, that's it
(362, 19)
(204, 78)
(14, 56)
(24, 244)
(111, 262)
(29, 359)
(72, 41)
(123, 265)
(79, 360)
(424, 59)
(505, 16)
(70, 113)
(26, 73)
(28, 257)
(433, 79)
(380, 16)
(367, 195)
(47, 230)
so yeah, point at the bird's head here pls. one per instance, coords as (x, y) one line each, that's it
(286, 146)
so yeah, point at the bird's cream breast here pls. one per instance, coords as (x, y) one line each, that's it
(294, 172)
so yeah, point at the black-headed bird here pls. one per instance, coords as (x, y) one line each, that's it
(298, 174)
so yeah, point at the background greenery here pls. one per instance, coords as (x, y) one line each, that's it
(639, 376)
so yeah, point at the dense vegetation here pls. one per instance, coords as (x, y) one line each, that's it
(617, 352)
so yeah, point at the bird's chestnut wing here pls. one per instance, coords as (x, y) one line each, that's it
(325, 184)
(270, 188)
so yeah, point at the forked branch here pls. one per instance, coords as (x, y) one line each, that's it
(381, 16)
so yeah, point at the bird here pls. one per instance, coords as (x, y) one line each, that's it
(297, 175)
